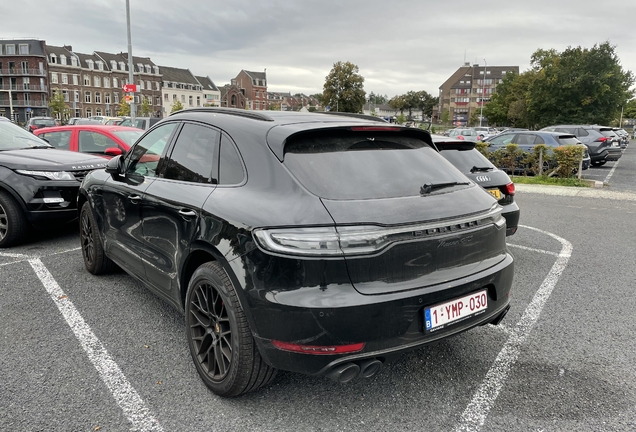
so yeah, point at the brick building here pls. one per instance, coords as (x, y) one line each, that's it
(23, 79)
(233, 96)
(255, 86)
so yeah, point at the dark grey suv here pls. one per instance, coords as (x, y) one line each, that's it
(601, 141)
(298, 241)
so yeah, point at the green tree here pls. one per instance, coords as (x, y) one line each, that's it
(344, 88)
(445, 117)
(630, 110)
(176, 106)
(124, 109)
(398, 103)
(508, 106)
(426, 103)
(318, 97)
(146, 108)
(578, 85)
(58, 106)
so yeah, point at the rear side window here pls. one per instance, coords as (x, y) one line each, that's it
(365, 165)
(230, 166)
(44, 122)
(581, 132)
(608, 133)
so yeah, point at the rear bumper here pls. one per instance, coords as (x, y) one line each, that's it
(511, 212)
(387, 324)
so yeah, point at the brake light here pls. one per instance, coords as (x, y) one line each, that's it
(374, 128)
(33, 127)
(460, 137)
(601, 139)
(319, 349)
(509, 189)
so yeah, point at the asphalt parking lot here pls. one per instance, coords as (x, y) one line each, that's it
(86, 353)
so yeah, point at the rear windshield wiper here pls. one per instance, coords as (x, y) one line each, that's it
(430, 187)
(476, 168)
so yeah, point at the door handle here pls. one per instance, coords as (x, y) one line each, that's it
(134, 198)
(186, 214)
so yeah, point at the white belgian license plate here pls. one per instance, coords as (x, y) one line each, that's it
(495, 192)
(438, 317)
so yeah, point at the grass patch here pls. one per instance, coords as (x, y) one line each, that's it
(545, 180)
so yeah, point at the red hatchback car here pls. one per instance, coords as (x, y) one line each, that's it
(100, 140)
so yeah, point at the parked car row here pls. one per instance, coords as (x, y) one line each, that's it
(602, 142)
(324, 246)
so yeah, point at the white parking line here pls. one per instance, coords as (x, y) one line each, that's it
(125, 395)
(611, 173)
(475, 414)
(533, 249)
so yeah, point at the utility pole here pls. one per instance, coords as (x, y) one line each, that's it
(483, 85)
(131, 79)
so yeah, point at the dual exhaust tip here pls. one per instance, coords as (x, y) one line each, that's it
(348, 371)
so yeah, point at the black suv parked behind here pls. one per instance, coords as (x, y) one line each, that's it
(38, 183)
(311, 243)
(601, 141)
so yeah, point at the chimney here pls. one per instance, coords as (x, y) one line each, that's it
(68, 47)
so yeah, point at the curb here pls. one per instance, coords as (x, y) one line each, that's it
(596, 192)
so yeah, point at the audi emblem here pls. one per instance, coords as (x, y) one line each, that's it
(482, 178)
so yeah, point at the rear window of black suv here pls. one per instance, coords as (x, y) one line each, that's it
(346, 165)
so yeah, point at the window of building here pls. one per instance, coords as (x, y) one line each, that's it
(107, 98)
(116, 98)
(98, 111)
(157, 86)
(76, 97)
(198, 101)
(157, 100)
(106, 82)
(90, 64)
(25, 67)
(115, 83)
(65, 94)
(165, 97)
(122, 65)
(140, 67)
(64, 79)
(148, 85)
(100, 65)
(481, 72)
(503, 72)
(137, 100)
(24, 49)
(98, 97)
(141, 84)
(53, 56)
(190, 101)
(9, 49)
(25, 83)
(62, 59)
(487, 72)
(113, 65)
(87, 80)
(75, 80)
(89, 112)
(74, 63)
(54, 78)
(148, 69)
(97, 81)
(156, 69)
(87, 97)
(174, 97)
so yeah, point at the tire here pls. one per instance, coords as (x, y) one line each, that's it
(598, 163)
(13, 224)
(95, 260)
(220, 340)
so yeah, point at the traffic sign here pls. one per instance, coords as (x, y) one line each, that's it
(130, 88)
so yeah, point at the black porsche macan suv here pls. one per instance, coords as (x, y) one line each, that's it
(297, 241)
(38, 183)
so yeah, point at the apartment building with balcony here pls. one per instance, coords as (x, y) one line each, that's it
(180, 85)
(23, 79)
(211, 93)
(464, 93)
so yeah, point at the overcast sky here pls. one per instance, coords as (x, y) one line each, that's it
(398, 45)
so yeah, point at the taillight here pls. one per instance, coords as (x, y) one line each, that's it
(601, 139)
(509, 189)
(460, 137)
(33, 127)
(319, 349)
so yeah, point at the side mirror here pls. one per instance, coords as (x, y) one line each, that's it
(115, 166)
(113, 151)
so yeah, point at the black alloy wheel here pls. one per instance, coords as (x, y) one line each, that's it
(13, 225)
(219, 336)
(95, 260)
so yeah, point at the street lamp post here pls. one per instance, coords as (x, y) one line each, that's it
(10, 101)
(483, 85)
(131, 78)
